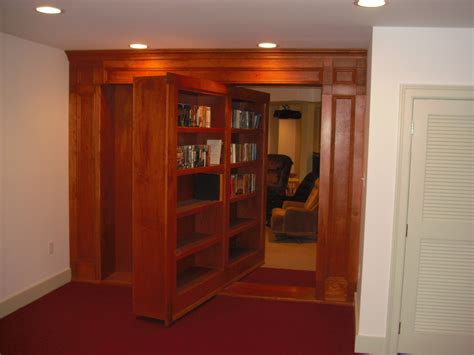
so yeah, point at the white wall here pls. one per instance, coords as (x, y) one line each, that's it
(399, 56)
(34, 168)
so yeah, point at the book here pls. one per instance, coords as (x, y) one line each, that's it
(194, 116)
(215, 151)
(240, 152)
(192, 156)
(242, 184)
(245, 119)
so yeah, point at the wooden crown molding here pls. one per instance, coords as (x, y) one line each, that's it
(154, 54)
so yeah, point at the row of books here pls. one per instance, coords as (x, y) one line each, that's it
(242, 184)
(194, 116)
(245, 119)
(243, 152)
(193, 156)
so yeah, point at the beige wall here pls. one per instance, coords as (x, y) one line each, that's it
(273, 130)
(34, 168)
(399, 56)
(296, 138)
(2, 133)
(288, 141)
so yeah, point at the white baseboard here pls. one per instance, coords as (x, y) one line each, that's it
(364, 343)
(369, 344)
(356, 312)
(31, 294)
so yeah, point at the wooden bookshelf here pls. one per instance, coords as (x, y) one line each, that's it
(240, 225)
(195, 242)
(194, 130)
(188, 233)
(242, 164)
(247, 130)
(244, 196)
(204, 169)
(194, 206)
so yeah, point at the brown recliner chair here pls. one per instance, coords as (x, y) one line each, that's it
(297, 219)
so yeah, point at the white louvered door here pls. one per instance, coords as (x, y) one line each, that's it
(437, 315)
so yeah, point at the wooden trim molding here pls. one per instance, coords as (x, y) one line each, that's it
(340, 73)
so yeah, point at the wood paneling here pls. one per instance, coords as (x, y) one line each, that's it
(123, 177)
(341, 73)
(232, 76)
(342, 142)
(116, 179)
(84, 173)
(150, 183)
(344, 75)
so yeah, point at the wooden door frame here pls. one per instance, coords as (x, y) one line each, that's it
(340, 73)
(408, 95)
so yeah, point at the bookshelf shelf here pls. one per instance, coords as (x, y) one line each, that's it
(240, 225)
(193, 243)
(188, 207)
(192, 277)
(183, 218)
(247, 130)
(119, 278)
(242, 164)
(194, 130)
(238, 254)
(204, 169)
(243, 197)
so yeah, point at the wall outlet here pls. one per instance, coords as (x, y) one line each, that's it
(51, 248)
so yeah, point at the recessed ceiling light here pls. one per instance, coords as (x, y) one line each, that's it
(370, 3)
(267, 45)
(49, 10)
(138, 46)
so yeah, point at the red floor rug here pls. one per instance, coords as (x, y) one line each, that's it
(282, 277)
(96, 319)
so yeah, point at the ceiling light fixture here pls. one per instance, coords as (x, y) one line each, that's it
(49, 10)
(370, 3)
(267, 45)
(138, 46)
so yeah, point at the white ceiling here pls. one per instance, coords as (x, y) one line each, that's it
(113, 24)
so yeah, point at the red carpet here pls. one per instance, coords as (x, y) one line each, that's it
(91, 319)
(283, 277)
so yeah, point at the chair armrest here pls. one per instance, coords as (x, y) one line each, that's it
(293, 204)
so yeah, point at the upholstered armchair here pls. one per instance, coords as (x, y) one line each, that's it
(297, 219)
(278, 172)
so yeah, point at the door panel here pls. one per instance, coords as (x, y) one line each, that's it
(437, 313)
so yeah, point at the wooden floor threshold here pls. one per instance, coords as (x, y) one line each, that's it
(276, 292)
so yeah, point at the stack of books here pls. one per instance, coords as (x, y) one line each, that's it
(242, 184)
(243, 152)
(193, 156)
(194, 116)
(245, 119)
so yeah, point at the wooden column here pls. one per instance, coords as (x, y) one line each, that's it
(84, 171)
(342, 137)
